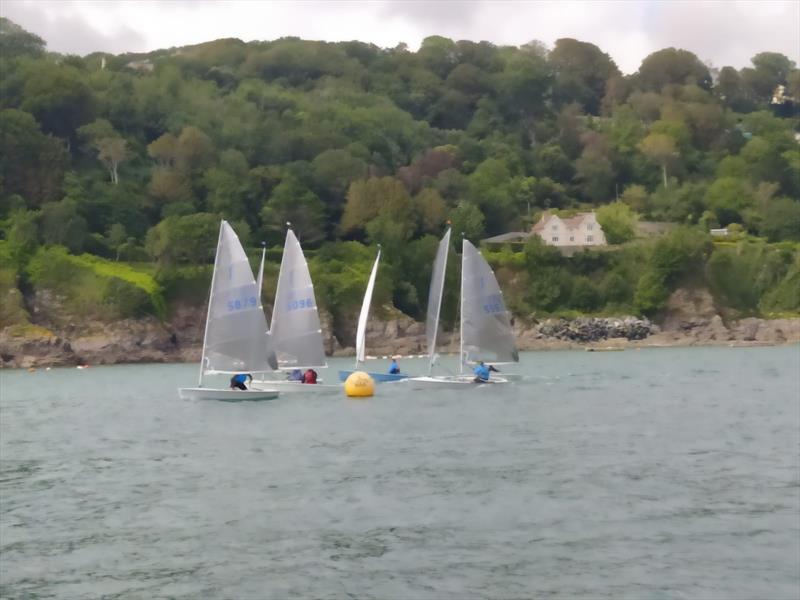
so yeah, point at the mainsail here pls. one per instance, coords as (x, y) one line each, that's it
(361, 330)
(485, 326)
(435, 296)
(236, 328)
(295, 335)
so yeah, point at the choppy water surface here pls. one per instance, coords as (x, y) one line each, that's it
(640, 474)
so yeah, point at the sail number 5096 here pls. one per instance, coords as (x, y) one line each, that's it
(300, 304)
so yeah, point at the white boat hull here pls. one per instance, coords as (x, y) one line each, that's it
(295, 387)
(452, 381)
(227, 395)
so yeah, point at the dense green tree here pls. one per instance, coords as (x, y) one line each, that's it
(581, 72)
(732, 90)
(467, 219)
(770, 69)
(59, 98)
(729, 197)
(367, 199)
(672, 66)
(16, 42)
(31, 164)
(335, 170)
(636, 197)
(594, 168)
(62, 225)
(291, 201)
(184, 239)
(780, 219)
(387, 144)
(22, 235)
(431, 210)
(662, 150)
(618, 222)
(111, 147)
(522, 86)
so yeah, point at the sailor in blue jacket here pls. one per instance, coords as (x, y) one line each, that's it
(394, 368)
(237, 381)
(482, 372)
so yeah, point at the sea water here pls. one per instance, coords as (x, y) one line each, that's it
(664, 473)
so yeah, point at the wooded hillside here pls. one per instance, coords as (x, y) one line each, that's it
(136, 157)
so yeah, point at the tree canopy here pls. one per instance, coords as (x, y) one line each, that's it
(142, 154)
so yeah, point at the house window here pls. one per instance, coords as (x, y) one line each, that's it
(589, 238)
(555, 238)
(589, 226)
(572, 238)
(555, 227)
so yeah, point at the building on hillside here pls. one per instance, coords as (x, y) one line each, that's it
(653, 228)
(513, 239)
(141, 65)
(720, 232)
(579, 231)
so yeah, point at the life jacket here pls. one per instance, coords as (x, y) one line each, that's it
(482, 371)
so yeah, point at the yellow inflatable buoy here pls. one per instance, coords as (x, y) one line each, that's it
(359, 385)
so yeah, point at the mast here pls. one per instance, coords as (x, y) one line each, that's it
(210, 297)
(260, 282)
(439, 305)
(278, 285)
(461, 310)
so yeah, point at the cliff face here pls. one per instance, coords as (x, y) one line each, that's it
(690, 319)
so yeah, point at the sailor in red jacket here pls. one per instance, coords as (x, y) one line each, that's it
(310, 376)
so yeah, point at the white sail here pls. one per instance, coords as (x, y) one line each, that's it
(361, 330)
(485, 325)
(435, 296)
(236, 328)
(296, 335)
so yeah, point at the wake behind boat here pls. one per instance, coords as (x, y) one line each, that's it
(485, 327)
(236, 329)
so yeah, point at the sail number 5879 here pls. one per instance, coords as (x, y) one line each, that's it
(242, 303)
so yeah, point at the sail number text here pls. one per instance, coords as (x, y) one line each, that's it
(493, 304)
(242, 303)
(300, 304)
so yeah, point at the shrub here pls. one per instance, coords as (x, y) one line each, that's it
(94, 287)
(651, 293)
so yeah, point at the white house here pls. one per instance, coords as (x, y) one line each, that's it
(580, 230)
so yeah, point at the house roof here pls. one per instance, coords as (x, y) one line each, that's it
(513, 236)
(653, 227)
(570, 222)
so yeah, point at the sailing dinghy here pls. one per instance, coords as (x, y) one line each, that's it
(295, 333)
(485, 328)
(236, 329)
(361, 332)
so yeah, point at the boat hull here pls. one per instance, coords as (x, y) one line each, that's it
(454, 382)
(227, 395)
(295, 387)
(378, 377)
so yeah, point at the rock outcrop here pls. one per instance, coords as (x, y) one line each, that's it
(689, 319)
(596, 329)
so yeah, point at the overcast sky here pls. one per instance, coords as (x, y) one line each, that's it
(719, 32)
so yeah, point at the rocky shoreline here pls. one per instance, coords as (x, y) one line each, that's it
(690, 319)
(180, 339)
